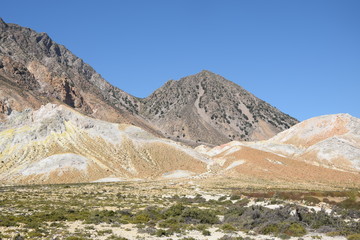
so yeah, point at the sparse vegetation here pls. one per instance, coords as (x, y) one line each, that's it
(37, 212)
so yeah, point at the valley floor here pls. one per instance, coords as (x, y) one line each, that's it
(176, 209)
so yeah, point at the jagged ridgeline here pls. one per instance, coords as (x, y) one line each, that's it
(200, 109)
(35, 70)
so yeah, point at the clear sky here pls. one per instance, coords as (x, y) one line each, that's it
(301, 56)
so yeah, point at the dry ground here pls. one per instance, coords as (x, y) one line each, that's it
(182, 209)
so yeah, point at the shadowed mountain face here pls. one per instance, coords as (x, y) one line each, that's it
(208, 108)
(203, 108)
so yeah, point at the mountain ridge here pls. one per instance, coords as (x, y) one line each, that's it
(34, 65)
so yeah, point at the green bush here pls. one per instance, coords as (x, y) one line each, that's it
(196, 215)
(242, 202)
(349, 203)
(162, 233)
(228, 228)
(271, 229)
(311, 200)
(352, 195)
(234, 197)
(34, 234)
(114, 237)
(233, 214)
(172, 224)
(8, 221)
(295, 230)
(222, 198)
(104, 232)
(141, 218)
(206, 233)
(354, 236)
(226, 237)
(174, 210)
(75, 238)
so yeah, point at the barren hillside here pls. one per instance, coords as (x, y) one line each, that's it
(56, 144)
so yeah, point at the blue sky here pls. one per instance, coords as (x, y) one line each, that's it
(301, 56)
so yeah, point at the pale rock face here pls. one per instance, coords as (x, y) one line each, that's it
(224, 148)
(51, 119)
(178, 174)
(314, 130)
(56, 162)
(235, 164)
(322, 151)
(57, 144)
(331, 141)
(109, 179)
(335, 152)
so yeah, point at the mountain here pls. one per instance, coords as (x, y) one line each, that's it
(35, 70)
(207, 108)
(61, 122)
(56, 144)
(202, 108)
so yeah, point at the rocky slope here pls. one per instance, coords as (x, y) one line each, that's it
(57, 144)
(210, 109)
(35, 70)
